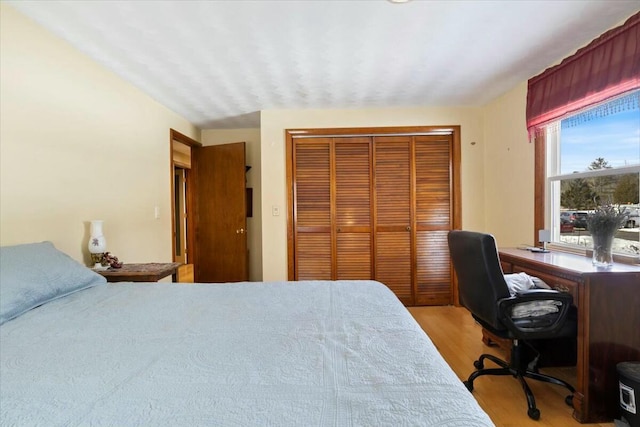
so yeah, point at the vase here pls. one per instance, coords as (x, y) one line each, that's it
(602, 250)
(97, 243)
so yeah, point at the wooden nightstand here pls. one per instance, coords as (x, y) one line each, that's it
(147, 272)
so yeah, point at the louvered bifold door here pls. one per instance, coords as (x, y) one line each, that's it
(433, 219)
(312, 209)
(393, 217)
(353, 208)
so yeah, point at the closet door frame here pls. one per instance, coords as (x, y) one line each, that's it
(454, 164)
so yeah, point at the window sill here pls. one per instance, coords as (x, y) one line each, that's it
(588, 252)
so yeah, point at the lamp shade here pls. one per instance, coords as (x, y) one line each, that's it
(97, 242)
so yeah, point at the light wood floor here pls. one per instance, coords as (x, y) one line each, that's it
(458, 338)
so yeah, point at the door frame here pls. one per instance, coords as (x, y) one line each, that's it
(181, 174)
(174, 135)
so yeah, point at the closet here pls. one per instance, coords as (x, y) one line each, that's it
(375, 203)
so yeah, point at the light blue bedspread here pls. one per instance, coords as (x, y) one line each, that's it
(246, 354)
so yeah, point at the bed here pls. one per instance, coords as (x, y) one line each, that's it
(75, 350)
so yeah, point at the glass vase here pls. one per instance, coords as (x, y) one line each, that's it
(602, 250)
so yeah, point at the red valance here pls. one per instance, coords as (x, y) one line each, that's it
(607, 67)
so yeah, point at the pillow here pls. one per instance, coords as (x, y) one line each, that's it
(535, 308)
(36, 273)
(521, 282)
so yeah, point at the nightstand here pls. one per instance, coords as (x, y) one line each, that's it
(146, 272)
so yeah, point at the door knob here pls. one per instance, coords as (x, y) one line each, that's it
(408, 228)
(241, 231)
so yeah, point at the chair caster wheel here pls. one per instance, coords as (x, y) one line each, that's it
(478, 364)
(468, 385)
(569, 400)
(534, 413)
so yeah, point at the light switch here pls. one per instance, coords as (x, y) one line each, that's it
(156, 212)
(275, 210)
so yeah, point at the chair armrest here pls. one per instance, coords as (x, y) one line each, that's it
(538, 326)
(538, 291)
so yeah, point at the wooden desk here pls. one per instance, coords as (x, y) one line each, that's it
(148, 272)
(608, 303)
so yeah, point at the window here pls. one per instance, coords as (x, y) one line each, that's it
(594, 158)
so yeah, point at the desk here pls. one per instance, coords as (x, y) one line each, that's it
(608, 303)
(148, 272)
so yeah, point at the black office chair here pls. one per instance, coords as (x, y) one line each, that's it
(484, 292)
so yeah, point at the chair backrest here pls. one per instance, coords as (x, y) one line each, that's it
(481, 281)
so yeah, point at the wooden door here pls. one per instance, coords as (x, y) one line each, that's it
(375, 203)
(394, 215)
(312, 209)
(353, 208)
(332, 211)
(434, 219)
(221, 230)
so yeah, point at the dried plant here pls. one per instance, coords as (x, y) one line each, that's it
(606, 219)
(109, 260)
(603, 224)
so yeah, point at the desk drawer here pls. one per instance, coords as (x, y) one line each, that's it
(558, 283)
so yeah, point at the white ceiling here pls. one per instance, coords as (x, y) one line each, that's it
(218, 63)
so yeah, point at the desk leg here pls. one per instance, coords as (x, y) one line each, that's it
(578, 407)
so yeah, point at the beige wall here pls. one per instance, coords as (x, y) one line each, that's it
(509, 170)
(78, 143)
(274, 123)
(254, 224)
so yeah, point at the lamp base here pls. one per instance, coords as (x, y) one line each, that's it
(96, 259)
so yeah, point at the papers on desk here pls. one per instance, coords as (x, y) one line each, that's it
(533, 249)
